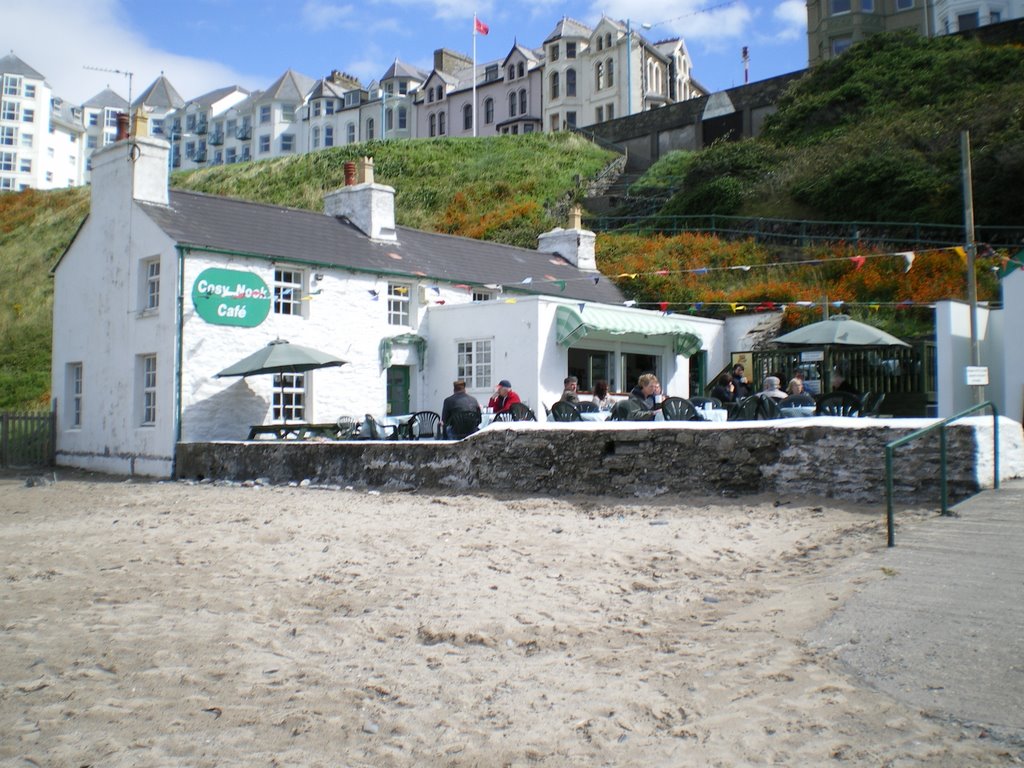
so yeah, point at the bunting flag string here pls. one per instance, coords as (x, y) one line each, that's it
(858, 261)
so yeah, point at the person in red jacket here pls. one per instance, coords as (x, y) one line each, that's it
(504, 398)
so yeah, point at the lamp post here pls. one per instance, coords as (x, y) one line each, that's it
(629, 64)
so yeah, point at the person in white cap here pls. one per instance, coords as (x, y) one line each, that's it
(503, 398)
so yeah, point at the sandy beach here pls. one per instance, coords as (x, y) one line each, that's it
(169, 624)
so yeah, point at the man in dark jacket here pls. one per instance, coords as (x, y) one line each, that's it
(459, 400)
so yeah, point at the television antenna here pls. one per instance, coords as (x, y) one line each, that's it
(127, 74)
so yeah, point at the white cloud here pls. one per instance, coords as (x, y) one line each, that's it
(319, 16)
(792, 14)
(61, 37)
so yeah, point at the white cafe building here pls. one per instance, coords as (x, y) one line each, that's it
(161, 289)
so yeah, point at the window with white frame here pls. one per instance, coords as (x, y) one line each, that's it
(30, 91)
(27, 139)
(288, 292)
(74, 395)
(289, 397)
(317, 107)
(151, 283)
(6, 183)
(7, 161)
(403, 118)
(230, 155)
(316, 137)
(570, 82)
(110, 117)
(11, 110)
(474, 363)
(264, 114)
(8, 136)
(350, 133)
(26, 165)
(479, 295)
(369, 128)
(328, 135)
(147, 390)
(554, 85)
(288, 112)
(837, 7)
(264, 143)
(398, 304)
(553, 52)
(328, 106)
(570, 50)
(12, 85)
(287, 142)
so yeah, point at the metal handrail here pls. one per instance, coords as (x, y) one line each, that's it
(941, 427)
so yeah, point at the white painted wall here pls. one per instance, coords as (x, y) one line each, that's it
(953, 350)
(1012, 354)
(99, 322)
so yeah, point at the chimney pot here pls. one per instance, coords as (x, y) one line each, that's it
(350, 173)
(122, 126)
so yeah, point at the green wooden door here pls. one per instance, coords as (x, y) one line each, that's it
(398, 389)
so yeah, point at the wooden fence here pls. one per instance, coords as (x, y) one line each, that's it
(27, 439)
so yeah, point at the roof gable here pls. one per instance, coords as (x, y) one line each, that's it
(12, 65)
(290, 86)
(107, 98)
(160, 94)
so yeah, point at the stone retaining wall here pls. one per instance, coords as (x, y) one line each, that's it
(825, 457)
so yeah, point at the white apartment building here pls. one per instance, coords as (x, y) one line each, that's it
(41, 136)
(578, 77)
(949, 16)
(99, 115)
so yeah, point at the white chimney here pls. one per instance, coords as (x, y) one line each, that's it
(130, 169)
(368, 205)
(575, 245)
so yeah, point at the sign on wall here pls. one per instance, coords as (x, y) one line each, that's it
(230, 297)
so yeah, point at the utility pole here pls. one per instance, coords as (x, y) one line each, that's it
(972, 281)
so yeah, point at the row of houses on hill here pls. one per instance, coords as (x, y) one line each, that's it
(578, 76)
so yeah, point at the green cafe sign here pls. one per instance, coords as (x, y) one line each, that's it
(230, 297)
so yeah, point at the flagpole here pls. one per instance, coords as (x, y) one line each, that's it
(474, 75)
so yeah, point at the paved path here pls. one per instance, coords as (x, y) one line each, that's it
(943, 628)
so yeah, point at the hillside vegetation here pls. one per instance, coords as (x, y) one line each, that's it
(873, 134)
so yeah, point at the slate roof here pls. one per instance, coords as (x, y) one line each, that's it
(325, 89)
(211, 98)
(160, 94)
(273, 232)
(290, 86)
(567, 27)
(107, 98)
(12, 65)
(401, 69)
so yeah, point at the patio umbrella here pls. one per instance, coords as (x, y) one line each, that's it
(279, 356)
(841, 330)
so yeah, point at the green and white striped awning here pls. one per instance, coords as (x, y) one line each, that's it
(572, 324)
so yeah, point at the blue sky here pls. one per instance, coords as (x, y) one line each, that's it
(204, 44)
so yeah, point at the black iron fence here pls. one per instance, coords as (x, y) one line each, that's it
(803, 233)
(27, 439)
(905, 375)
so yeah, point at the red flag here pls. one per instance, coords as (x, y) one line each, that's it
(480, 27)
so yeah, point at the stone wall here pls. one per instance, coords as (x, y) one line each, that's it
(819, 457)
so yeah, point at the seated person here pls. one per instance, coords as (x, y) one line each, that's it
(645, 393)
(725, 389)
(771, 388)
(459, 400)
(503, 398)
(796, 395)
(841, 384)
(602, 399)
(569, 392)
(739, 380)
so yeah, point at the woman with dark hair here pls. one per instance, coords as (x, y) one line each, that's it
(601, 398)
(725, 389)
